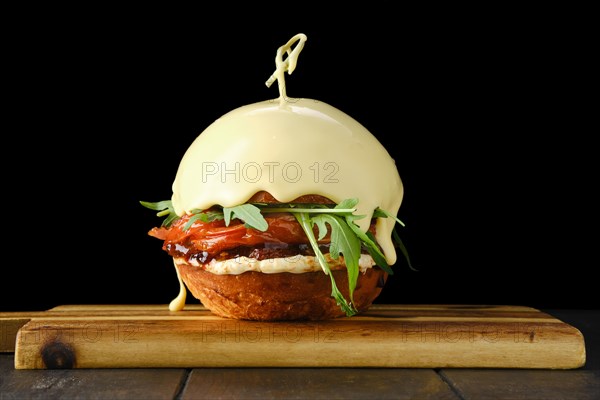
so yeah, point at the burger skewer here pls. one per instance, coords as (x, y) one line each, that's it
(289, 64)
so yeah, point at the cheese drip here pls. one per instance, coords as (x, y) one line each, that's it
(178, 303)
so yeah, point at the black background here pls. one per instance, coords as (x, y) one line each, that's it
(482, 111)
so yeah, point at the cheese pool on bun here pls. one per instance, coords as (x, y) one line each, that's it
(283, 210)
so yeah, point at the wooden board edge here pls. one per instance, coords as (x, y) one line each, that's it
(11, 324)
(60, 344)
(9, 329)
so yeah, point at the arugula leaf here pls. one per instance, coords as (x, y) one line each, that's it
(159, 205)
(368, 240)
(212, 215)
(227, 211)
(376, 253)
(382, 213)
(307, 224)
(402, 248)
(348, 203)
(204, 216)
(379, 213)
(194, 218)
(320, 210)
(164, 207)
(248, 213)
(344, 241)
(322, 226)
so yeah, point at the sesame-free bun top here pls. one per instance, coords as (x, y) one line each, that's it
(289, 149)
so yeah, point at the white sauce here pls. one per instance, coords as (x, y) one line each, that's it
(295, 264)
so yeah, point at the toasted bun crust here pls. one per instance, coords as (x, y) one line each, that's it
(280, 296)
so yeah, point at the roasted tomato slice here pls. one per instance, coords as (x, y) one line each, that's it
(214, 237)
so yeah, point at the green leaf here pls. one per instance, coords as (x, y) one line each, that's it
(196, 217)
(386, 214)
(316, 210)
(248, 213)
(346, 207)
(376, 253)
(213, 215)
(170, 219)
(344, 241)
(322, 227)
(159, 205)
(370, 243)
(164, 208)
(307, 224)
(379, 213)
(204, 216)
(347, 203)
(402, 248)
(227, 211)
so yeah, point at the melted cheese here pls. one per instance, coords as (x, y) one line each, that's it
(300, 147)
(178, 303)
(295, 264)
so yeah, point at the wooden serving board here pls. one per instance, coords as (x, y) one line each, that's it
(411, 336)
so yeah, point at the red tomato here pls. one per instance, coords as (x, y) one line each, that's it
(214, 237)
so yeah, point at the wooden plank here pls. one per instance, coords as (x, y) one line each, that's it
(313, 383)
(384, 336)
(11, 322)
(524, 384)
(98, 384)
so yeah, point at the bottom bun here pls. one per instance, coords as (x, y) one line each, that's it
(279, 296)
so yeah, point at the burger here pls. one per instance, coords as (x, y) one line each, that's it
(283, 209)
